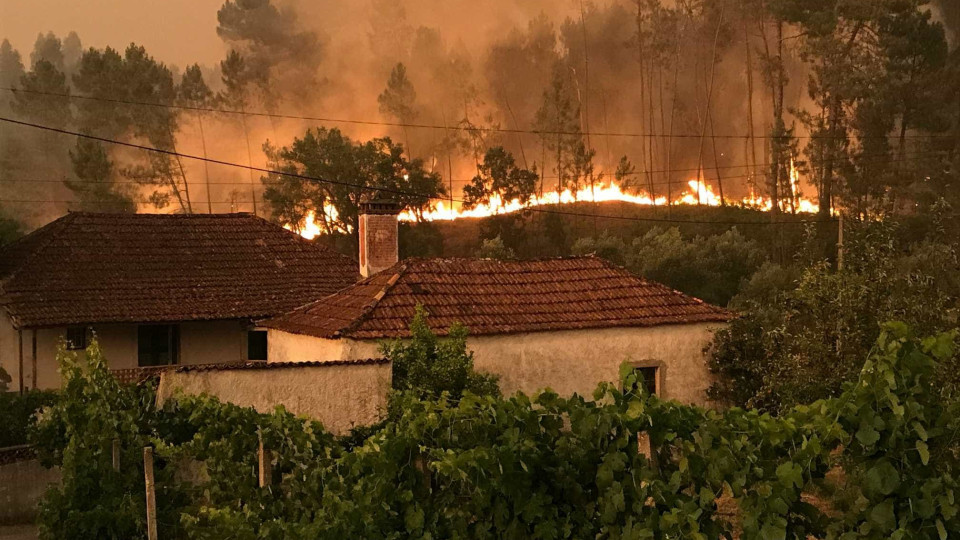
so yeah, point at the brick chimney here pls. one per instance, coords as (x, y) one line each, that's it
(378, 236)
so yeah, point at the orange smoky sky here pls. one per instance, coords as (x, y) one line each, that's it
(180, 32)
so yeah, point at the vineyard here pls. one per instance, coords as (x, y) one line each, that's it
(880, 460)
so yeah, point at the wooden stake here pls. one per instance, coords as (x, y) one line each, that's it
(151, 496)
(34, 358)
(840, 244)
(264, 464)
(115, 454)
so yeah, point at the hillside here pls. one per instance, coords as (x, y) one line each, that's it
(551, 230)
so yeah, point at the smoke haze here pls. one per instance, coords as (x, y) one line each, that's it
(486, 63)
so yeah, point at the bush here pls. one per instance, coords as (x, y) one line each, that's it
(17, 414)
(611, 248)
(494, 248)
(76, 434)
(802, 341)
(711, 268)
(431, 367)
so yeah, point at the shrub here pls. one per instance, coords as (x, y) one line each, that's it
(494, 248)
(795, 343)
(17, 414)
(76, 434)
(430, 366)
(611, 248)
(711, 268)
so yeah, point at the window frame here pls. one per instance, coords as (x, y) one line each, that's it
(71, 344)
(173, 342)
(658, 370)
(266, 344)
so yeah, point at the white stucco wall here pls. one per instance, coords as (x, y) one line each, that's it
(340, 396)
(287, 347)
(202, 342)
(570, 361)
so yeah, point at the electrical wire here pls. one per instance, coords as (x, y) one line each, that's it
(488, 129)
(537, 209)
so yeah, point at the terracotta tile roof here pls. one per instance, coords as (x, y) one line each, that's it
(496, 297)
(95, 268)
(142, 374)
(227, 366)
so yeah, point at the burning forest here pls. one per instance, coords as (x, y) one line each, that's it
(652, 102)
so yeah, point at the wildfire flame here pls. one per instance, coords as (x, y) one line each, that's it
(697, 192)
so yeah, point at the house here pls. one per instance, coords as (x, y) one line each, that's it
(566, 323)
(155, 289)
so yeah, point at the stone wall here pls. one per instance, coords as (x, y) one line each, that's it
(341, 395)
(23, 482)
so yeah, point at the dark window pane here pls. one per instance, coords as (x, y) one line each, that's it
(76, 338)
(158, 345)
(257, 345)
(647, 376)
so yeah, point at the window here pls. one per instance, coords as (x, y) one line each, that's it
(649, 377)
(158, 345)
(76, 338)
(257, 345)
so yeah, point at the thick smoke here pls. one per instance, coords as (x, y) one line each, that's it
(471, 64)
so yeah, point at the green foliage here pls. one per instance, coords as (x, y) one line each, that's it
(329, 154)
(10, 230)
(494, 248)
(94, 186)
(711, 268)
(422, 239)
(430, 366)
(48, 110)
(544, 466)
(17, 411)
(399, 100)
(901, 450)
(802, 341)
(499, 176)
(611, 248)
(76, 434)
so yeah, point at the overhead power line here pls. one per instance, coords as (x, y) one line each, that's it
(538, 209)
(918, 156)
(488, 129)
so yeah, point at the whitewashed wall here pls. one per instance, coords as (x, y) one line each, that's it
(569, 361)
(340, 396)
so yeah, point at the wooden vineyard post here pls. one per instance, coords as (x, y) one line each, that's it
(151, 496)
(264, 463)
(115, 454)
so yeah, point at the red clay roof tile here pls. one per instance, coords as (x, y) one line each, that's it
(496, 297)
(96, 268)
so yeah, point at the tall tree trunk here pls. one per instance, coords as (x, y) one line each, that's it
(706, 116)
(516, 126)
(246, 136)
(752, 156)
(646, 160)
(673, 115)
(446, 131)
(664, 143)
(188, 207)
(716, 162)
(206, 164)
